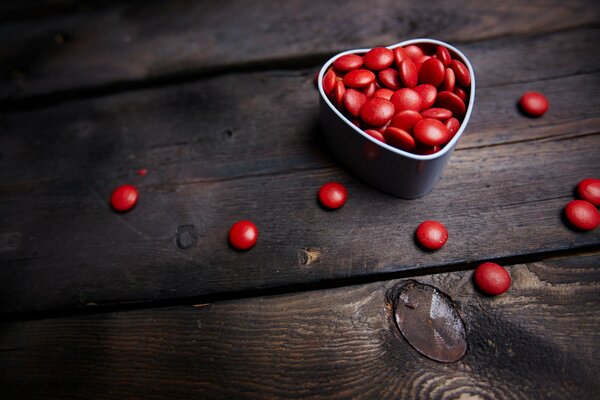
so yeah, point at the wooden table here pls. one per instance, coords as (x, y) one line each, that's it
(217, 101)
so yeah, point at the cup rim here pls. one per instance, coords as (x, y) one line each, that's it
(451, 144)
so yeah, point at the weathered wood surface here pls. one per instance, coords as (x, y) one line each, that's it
(74, 46)
(540, 340)
(246, 145)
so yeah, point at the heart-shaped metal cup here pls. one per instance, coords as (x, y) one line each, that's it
(387, 168)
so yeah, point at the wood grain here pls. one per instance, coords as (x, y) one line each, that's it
(247, 145)
(540, 340)
(70, 46)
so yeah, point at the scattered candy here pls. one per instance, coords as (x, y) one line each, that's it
(332, 195)
(492, 278)
(432, 235)
(124, 198)
(243, 235)
(589, 190)
(534, 104)
(400, 89)
(582, 215)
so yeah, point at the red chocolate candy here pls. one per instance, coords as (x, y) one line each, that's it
(453, 126)
(431, 235)
(378, 58)
(443, 55)
(243, 235)
(451, 102)
(413, 51)
(124, 198)
(359, 78)
(432, 72)
(353, 101)
(377, 111)
(406, 120)
(332, 195)
(406, 99)
(582, 215)
(409, 74)
(338, 93)
(449, 80)
(348, 62)
(376, 134)
(437, 113)
(461, 72)
(428, 94)
(142, 171)
(384, 93)
(491, 278)
(589, 190)
(400, 139)
(370, 90)
(389, 78)
(399, 55)
(329, 80)
(431, 132)
(534, 104)
(460, 92)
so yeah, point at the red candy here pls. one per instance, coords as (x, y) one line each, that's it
(378, 58)
(142, 171)
(432, 72)
(332, 195)
(582, 215)
(589, 190)
(348, 62)
(353, 101)
(124, 198)
(400, 139)
(431, 132)
(412, 97)
(406, 99)
(377, 111)
(243, 235)
(491, 278)
(534, 104)
(431, 235)
(359, 78)
(389, 78)
(409, 74)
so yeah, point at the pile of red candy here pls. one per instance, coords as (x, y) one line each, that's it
(412, 97)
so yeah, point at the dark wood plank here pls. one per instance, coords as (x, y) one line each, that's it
(65, 46)
(247, 146)
(537, 341)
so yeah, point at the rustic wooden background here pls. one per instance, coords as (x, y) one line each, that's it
(216, 100)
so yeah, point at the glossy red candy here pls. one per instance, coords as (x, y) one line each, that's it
(406, 99)
(432, 72)
(443, 55)
(338, 93)
(399, 55)
(400, 139)
(460, 92)
(413, 51)
(428, 94)
(389, 78)
(406, 120)
(437, 113)
(451, 102)
(420, 60)
(348, 62)
(329, 80)
(384, 93)
(409, 75)
(589, 190)
(449, 80)
(370, 90)
(243, 235)
(359, 78)
(453, 126)
(142, 172)
(582, 215)
(426, 150)
(376, 134)
(534, 104)
(124, 198)
(378, 58)
(431, 235)
(377, 111)
(431, 132)
(332, 195)
(461, 72)
(353, 101)
(492, 278)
